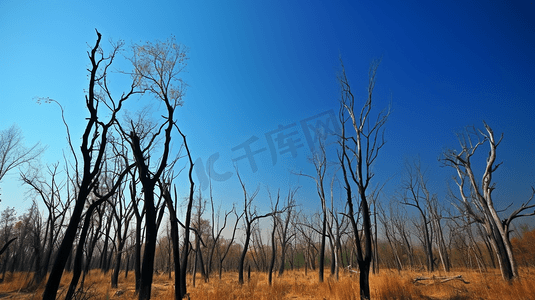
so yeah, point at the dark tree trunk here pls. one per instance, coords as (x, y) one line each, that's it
(147, 268)
(93, 148)
(175, 241)
(104, 262)
(120, 246)
(243, 254)
(364, 281)
(65, 248)
(117, 268)
(80, 251)
(137, 245)
(127, 267)
(284, 238)
(273, 249)
(333, 259)
(185, 253)
(199, 259)
(84, 189)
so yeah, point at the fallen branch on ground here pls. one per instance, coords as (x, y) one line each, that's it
(437, 280)
(349, 269)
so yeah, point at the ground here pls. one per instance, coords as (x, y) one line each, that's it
(388, 284)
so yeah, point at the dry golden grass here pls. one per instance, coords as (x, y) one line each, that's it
(295, 285)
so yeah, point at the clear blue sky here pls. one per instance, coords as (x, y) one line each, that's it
(255, 65)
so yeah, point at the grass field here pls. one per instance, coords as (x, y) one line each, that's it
(296, 285)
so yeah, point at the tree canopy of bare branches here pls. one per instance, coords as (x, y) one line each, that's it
(13, 153)
(476, 196)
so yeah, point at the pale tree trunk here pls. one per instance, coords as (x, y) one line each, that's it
(480, 204)
(319, 159)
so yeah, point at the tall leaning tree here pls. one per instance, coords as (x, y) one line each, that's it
(361, 140)
(93, 147)
(476, 196)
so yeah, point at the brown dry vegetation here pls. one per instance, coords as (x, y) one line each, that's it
(296, 285)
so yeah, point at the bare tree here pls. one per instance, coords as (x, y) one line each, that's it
(23, 229)
(319, 159)
(156, 68)
(416, 194)
(100, 194)
(358, 153)
(174, 235)
(138, 236)
(250, 217)
(336, 226)
(389, 234)
(13, 153)
(185, 251)
(217, 230)
(274, 216)
(93, 148)
(123, 212)
(476, 198)
(259, 255)
(402, 234)
(435, 211)
(201, 227)
(307, 230)
(50, 192)
(284, 234)
(7, 236)
(230, 242)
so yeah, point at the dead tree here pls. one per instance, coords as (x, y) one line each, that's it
(250, 216)
(171, 207)
(93, 148)
(416, 194)
(476, 198)
(284, 235)
(217, 231)
(223, 255)
(200, 225)
(123, 212)
(259, 254)
(100, 196)
(436, 217)
(274, 217)
(139, 214)
(358, 152)
(305, 225)
(337, 226)
(319, 160)
(185, 250)
(157, 68)
(12, 151)
(50, 193)
(389, 234)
